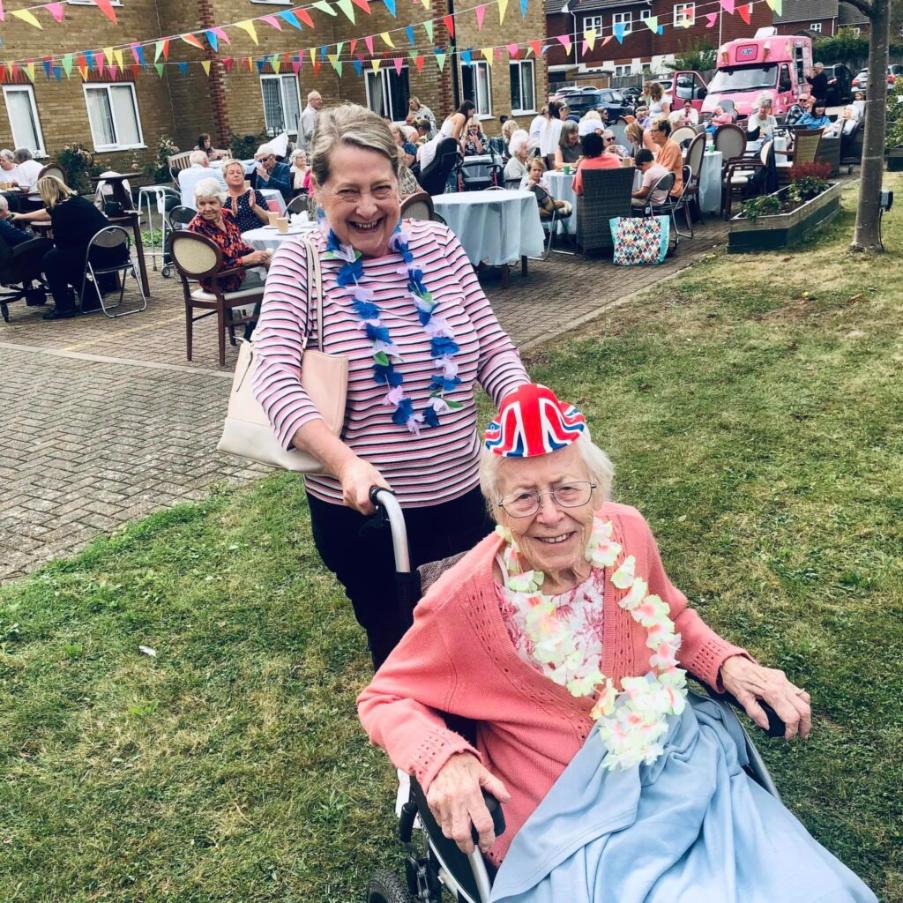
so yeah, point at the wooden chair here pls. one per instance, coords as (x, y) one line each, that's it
(606, 194)
(739, 174)
(417, 206)
(178, 162)
(197, 257)
(805, 146)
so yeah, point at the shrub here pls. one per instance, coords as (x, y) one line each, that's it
(78, 164)
(243, 147)
(158, 168)
(765, 205)
(894, 137)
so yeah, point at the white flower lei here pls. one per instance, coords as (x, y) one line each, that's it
(632, 722)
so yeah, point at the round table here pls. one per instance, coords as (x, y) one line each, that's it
(495, 227)
(268, 238)
(560, 186)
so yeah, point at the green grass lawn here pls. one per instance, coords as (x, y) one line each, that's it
(752, 408)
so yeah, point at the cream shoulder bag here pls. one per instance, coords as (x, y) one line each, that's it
(247, 431)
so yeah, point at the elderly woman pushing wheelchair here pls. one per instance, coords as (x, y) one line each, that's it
(563, 639)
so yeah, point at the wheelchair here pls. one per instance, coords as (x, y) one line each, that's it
(433, 864)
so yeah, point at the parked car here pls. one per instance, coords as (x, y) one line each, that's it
(609, 99)
(861, 81)
(632, 95)
(840, 85)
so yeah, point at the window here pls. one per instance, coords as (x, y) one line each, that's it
(815, 26)
(388, 92)
(23, 119)
(622, 69)
(522, 82)
(475, 86)
(684, 15)
(281, 103)
(113, 114)
(593, 22)
(625, 19)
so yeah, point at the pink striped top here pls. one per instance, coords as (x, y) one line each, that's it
(441, 463)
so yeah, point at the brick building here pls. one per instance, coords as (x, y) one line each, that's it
(640, 50)
(120, 114)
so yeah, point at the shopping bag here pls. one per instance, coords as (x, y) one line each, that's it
(639, 239)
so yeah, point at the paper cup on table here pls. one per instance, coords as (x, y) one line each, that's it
(272, 217)
(282, 224)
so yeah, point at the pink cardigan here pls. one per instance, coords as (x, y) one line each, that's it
(458, 658)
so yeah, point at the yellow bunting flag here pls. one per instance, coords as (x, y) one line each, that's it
(29, 69)
(248, 26)
(108, 53)
(503, 8)
(313, 54)
(590, 37)
(206, 66)
(334, 61)
(84, 72)
(119, 58)
(776, 5)
(347, 7)
(487, 54)
(375, 64)
(29, 17)
(426, 3)
(387, 38)
(276, 62)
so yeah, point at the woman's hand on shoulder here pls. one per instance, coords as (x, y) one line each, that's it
(456, 800)
(750, 682)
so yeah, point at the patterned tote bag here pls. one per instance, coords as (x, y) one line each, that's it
(639, 239)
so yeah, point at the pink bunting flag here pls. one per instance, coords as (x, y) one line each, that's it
(135, 55)
(296, 66)
(369, 42)
(481, 14)
(513, 51)
(272, 21)
(728, 6)
(221, 34)
(2, 12)
(352, 46)
(57, 10)
(606, 39)
(711, 19)
(565, 41)
(106, 7)
(398, 63)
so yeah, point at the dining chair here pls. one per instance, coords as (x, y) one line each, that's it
(109, 239)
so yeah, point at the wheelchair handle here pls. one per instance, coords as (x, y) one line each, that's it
(386, 502)
(498, 817)
(776, 726)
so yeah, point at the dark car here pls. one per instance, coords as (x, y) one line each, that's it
(840, 85)
(610, 100)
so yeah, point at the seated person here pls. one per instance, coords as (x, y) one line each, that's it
(611, 147)
(591, 122)
(196, 172)
(424, 131)
(668, 153)
(417, 113)
(205, 144)
(547, 204)
(562, 638)
(407, 152)
(215, 222)
(302, 181)
(568, 151)
(652, 171)
(859, 104)
(11, 234)
(719, 117)
(816, 118)
(75, 221)
(761, 124)
(247, 205)
(519, 151)
(845, 123)
(475, 141)
(270, 173)
(642, 116)
(685, 115)
(595, 156)
(25, 176)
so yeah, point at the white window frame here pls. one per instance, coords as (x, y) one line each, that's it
(95, 86)
(475, 65)
(385, 74)
(594, 23)
(625, 19)
(40, 151)
(623, 69)
(815, 26)
(266, 2)
(280, 76)
(520, 65)
(684, 13)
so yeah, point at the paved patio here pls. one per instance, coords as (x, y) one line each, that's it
(104, 420)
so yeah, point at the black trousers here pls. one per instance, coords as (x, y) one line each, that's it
(358, 550)
(65, 267)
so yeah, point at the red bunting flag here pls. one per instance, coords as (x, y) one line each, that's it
(351, 46)
(317, 65)
(362, 4)
(536, 46)
(106, 7)
(745, 12)
(304, 16)
(135, 69)
(481, 14)
(227, 62)
(193, 40)
(296, 66)
(418, 62)
(449, 25)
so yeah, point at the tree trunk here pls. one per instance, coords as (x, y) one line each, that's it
(867, 234)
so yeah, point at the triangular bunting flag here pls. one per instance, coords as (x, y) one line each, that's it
(369, 42)
(106, 7)
(27, 16)
(99, 59)
(536, 47)
(390, 6)
(158, 50)
(651, 22)
(523, 9)
(513, 51)
(108, 53)
(728, 6)
(619, 29)
(159, 68)
(418, 62)
(29, 71)
(84, 72)
(352, 46)
(565, 42)
(374, 64)
(503, 8)
(304, 16)
(67, 64)
(466, 57)
(426, 3)
(363, 4)
(387, 39)
(193, 40)
(358, 67)
(275, 62)
(606, 39)
(249, 27)
(313, 54)
(487, 54)
(589, 38)
(212, 39)
(449, 22)
(206, 66)
(428, 28)
(137, 53)
(228, 63)
(272, 21)
(324, 7)
(119, 59)
(440, 61)
(57, 73)
(481, 14)
(409, 34)
(288, 16)
(2, 16)
(398, 63)
(347, 7)
(47, 68)
(710, 19)
(323, 51)
(745, 12)
(296, 67)
(777, 6)
(334, 61)
(57, 10)
(183, 68)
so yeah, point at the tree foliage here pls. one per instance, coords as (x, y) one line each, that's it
(701, 59)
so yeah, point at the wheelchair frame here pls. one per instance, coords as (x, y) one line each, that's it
(434, 862)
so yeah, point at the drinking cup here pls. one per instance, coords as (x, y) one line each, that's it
(282, 224)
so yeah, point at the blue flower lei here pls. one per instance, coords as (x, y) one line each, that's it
(443, 347)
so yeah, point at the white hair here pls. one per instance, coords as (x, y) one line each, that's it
(198, 158)
(598, 467)
(4, 203)
(8, 155)
(209, 188)
(313, 95)
(517, 142)
(264, 151)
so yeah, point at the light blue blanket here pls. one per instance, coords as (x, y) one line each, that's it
(690, 827)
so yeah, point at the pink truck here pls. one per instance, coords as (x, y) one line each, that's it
(771, 64)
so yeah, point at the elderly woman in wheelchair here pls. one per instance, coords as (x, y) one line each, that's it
(563, 640)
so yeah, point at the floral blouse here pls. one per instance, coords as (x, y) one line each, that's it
(577, 613)
(245, 217)
(230, 243)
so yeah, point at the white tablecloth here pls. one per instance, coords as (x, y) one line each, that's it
(495, 227)
(561, 186)
(710, 182)
(268, 238)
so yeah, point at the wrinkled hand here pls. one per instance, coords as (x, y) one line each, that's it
(357, 477)
(749, 682)
(456, 800)
(257, 257)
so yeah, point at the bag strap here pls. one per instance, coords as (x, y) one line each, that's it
(314, 287)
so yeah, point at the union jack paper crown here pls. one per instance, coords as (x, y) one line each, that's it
(532, 422)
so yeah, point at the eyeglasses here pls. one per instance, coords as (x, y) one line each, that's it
(609, 140)
(567, 495)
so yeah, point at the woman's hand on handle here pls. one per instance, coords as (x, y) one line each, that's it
(456, 800)
(358, 477)
(750, 682)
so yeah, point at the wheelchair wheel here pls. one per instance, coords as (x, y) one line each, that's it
(387, 887)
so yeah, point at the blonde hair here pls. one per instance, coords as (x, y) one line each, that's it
(53, 191)
(598, 465)
(353, 125)
(232, 162)
(509, 127)
(634, 132)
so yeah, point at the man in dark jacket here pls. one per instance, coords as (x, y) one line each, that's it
(8, 232)
(270, 173)
(819, 83)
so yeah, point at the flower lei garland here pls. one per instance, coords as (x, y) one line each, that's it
(632, 722)
(386, 355)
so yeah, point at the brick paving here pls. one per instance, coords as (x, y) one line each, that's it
(105, 421)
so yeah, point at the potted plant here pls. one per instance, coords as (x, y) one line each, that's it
(788, 216)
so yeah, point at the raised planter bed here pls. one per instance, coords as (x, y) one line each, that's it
(782, 230)
(895, 159)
